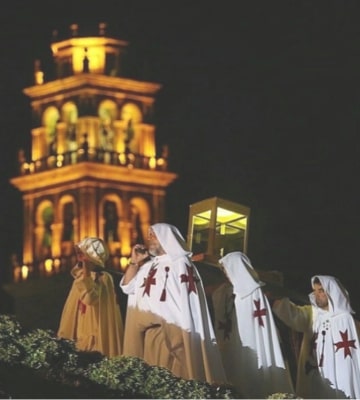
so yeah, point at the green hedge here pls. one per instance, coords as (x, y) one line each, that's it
(36, 364)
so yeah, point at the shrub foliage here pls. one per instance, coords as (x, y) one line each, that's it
(90, 373)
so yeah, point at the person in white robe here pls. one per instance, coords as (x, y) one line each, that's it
(329, 361)
(167, 320)
(246, 332)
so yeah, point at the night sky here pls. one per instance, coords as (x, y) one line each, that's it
(260, 105)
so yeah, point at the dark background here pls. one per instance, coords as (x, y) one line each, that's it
(260, 105)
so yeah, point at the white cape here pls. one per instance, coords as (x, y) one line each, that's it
(246, 332)
(336, 341)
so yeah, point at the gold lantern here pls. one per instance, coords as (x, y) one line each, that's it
(217, 227)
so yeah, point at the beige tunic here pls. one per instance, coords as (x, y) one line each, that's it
(91, 315)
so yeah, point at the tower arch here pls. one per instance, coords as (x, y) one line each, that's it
(68, 224)
(140, 217)
(43, 230)
(69, 116)
(50, 118)
(107, 112)
(111, 216)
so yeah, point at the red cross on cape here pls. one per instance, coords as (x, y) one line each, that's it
(148, 281)
(189, 278)
(345, 344)
(81, 307)
(259, 313)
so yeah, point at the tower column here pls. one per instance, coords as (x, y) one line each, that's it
(159, 205)
(88, 212)
(119, 136)
(56, 239)
(39, 143)
(61, 137)
(28, 230)
(125, 227)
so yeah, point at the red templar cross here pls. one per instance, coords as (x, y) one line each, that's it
(81, 307)
(189, 278)
(345, 344)
(259, 313)
(148, 281)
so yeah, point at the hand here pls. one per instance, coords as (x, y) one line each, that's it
(138, 254)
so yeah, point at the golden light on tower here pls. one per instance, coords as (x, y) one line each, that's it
(124, 262)
(38, 73)
(48, 266)
(92, 50)
(24, 272)
(94, 168)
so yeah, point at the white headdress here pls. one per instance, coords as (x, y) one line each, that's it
(171, 240)
(241, 273)
(95, 250)
(339, 300)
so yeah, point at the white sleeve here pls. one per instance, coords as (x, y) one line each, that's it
(130, 287)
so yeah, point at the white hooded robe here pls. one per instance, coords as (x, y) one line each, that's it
(246, 332)
(167, 322)
(329, 361)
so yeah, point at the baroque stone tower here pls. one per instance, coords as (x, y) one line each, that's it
(94, 168)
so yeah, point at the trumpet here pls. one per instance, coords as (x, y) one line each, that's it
(141, 250)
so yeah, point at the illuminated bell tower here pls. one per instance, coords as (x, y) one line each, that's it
(94, 168)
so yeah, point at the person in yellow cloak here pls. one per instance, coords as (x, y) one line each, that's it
(91, 316)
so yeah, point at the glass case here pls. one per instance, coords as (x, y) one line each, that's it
(217, 227)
